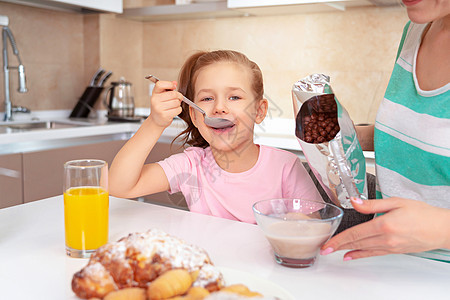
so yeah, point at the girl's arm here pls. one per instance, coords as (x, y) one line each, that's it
(129, 176)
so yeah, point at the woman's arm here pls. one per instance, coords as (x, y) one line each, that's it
(406, 226)
(129, 176)
(365, 136)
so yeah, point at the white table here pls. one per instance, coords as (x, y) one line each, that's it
(33, 264)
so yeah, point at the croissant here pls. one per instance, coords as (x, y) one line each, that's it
(197, 292)
(140, 258)
(127, 294)
(170, 284)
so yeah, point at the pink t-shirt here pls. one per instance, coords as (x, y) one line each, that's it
(210, 190)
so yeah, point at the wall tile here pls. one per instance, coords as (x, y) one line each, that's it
(91, 41)
(121, 51)
(51, 48)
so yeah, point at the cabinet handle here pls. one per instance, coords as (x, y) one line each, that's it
(9, 173)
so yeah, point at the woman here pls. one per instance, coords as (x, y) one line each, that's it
(412, 147)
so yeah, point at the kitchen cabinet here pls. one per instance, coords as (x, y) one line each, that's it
(238, 8)
(11, 190)
(43, 170)
(280, 7)
(35, 175)
(204, 10)
(115, 6)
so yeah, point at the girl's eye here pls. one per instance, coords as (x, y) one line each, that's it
(235, 98)
(207, 99)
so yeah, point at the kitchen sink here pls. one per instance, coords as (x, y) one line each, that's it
(38, 125)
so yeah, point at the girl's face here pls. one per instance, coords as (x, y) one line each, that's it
(224, 90)
(424, 11)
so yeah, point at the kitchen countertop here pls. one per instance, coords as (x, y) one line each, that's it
(92, 130)
(91, 127)
(34, 264)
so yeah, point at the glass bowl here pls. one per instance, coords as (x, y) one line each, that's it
(297, 228)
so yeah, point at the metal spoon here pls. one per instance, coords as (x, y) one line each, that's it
(211, 122)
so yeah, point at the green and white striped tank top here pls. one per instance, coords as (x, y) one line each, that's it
(412, 134)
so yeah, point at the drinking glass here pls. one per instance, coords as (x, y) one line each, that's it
(296, 228)
(86, 203)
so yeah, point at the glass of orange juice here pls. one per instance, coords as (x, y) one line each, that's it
(86, 203)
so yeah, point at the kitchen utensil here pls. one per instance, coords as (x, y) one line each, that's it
(105, 77)
(86, 202)
(210, 121)
(96, 77)
(121, 100)
(86, 102)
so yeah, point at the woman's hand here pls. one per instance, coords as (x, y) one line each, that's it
(406, 226)
(165, 103)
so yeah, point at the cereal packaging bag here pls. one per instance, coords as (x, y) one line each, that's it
(328, 139)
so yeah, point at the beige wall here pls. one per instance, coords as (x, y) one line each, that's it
(61, 51)
(51, 48)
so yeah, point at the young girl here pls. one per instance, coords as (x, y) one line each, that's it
(223, 172)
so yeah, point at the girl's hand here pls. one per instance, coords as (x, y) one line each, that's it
(406, 226)
(165, 103)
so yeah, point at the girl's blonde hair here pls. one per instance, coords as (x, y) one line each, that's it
(186, 82)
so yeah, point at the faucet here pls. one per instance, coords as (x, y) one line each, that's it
(9, 108)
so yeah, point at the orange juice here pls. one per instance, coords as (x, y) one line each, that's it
(86, 217)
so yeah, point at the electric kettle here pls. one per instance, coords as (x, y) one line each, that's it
(119, 99)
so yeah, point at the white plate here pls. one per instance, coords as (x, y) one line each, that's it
(255, 283)
(200, 1)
